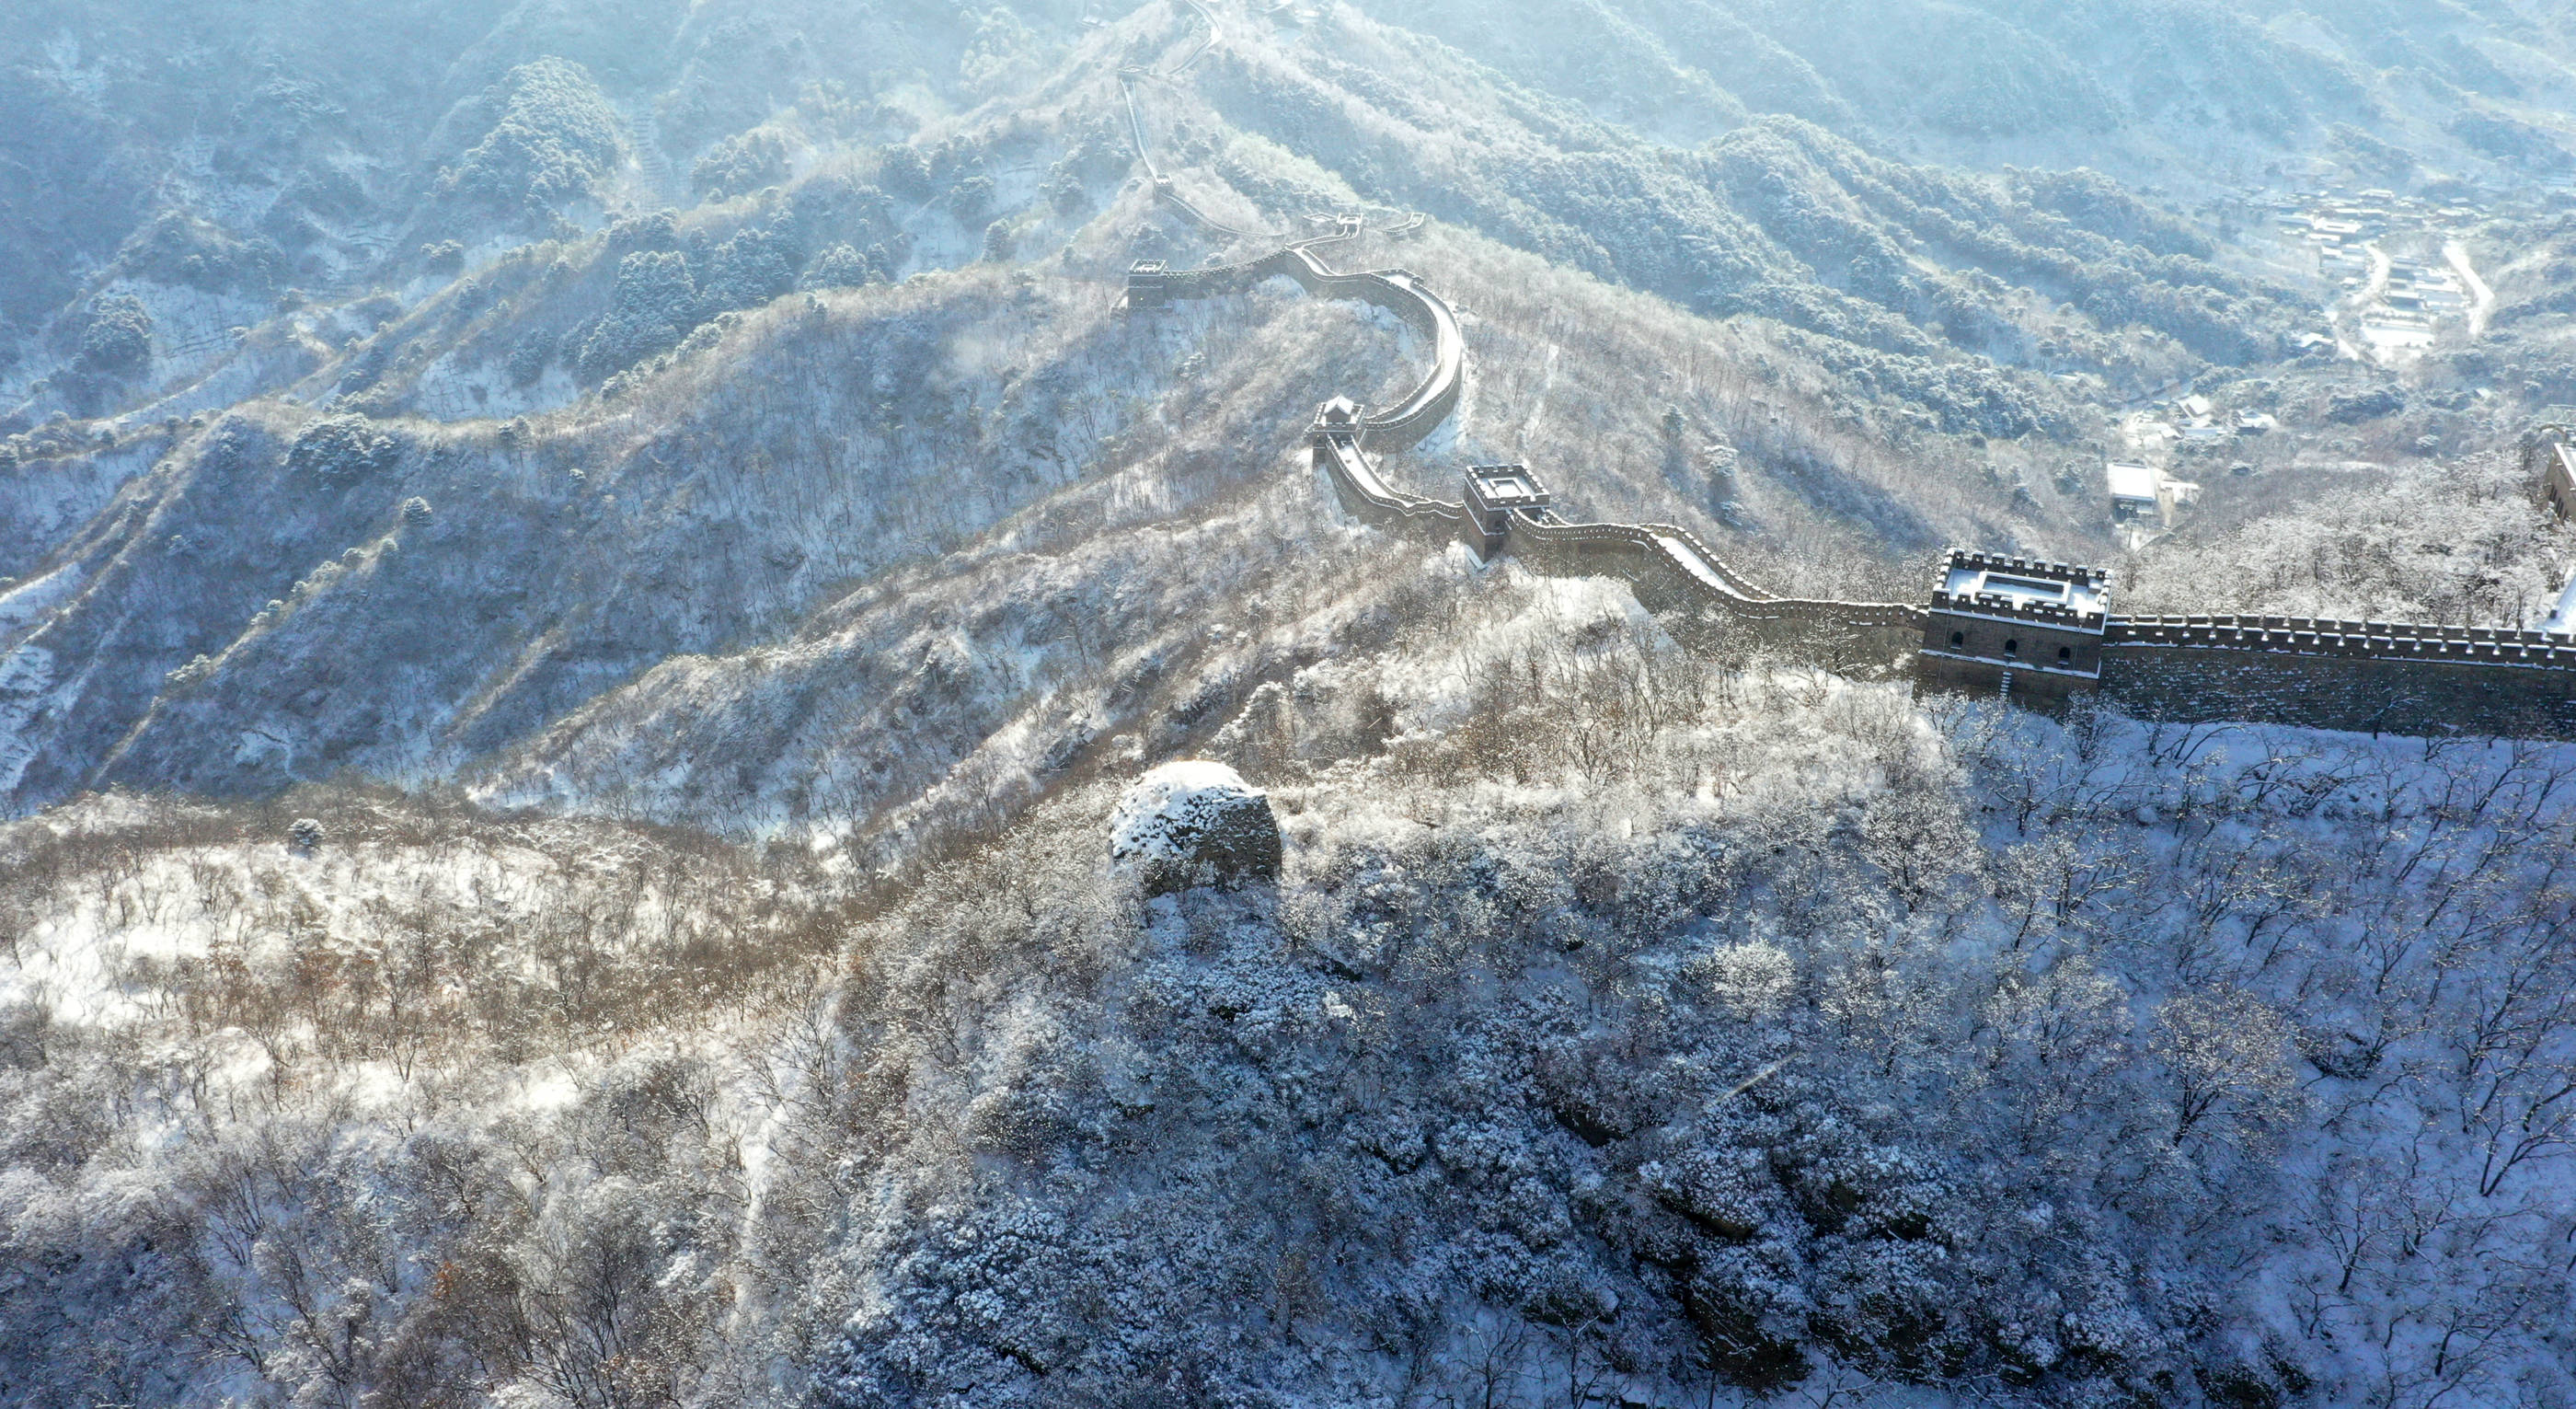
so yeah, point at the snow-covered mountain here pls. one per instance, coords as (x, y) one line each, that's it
(670, 494)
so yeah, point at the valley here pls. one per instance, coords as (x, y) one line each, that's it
(1870, 699)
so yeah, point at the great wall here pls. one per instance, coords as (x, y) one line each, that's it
(2035, 633)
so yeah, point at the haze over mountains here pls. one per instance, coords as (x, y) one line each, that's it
(671, 491)
(423, 211)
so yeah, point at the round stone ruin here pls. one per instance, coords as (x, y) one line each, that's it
(1194, 823)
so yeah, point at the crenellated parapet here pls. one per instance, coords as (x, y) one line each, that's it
(2030, 630)
(2003, 606)
(2315, 636)
(2022, 589)
(2024, 628)
(2373, 676)
(1150, 284)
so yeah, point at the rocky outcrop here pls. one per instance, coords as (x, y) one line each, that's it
(1194, 823)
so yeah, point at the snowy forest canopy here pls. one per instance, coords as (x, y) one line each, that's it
(581, 580)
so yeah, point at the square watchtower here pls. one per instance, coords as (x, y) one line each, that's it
(2016, 626)
(1338, 419)
(1494, 493)
(1149, 284)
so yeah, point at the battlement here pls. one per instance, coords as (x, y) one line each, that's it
(1149, 284)
(1500, 487)
(2386, 640)
(2064, 595)
(2005, 604)
(1494, 494)
(2022, 627)
(1970, 559)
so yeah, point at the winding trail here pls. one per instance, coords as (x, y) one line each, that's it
(2356, 306)
(2481, 298)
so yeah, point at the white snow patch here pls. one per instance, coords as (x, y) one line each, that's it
(1179, 798)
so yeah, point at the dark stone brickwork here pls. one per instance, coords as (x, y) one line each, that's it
(2188, 684)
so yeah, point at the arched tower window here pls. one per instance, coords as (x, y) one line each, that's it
(2012, 649)
(1958, 639)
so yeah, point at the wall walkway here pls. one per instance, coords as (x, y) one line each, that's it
(2374, 676)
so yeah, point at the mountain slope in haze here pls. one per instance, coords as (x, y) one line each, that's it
(1892, 327)
(578, 582)
(2191, 95)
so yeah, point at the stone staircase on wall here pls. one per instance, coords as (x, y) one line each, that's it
(652, 165)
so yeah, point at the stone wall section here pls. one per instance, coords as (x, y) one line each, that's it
(2380, 677)
(1674, 574)
(1395, 290)
(1365, 496)
(2366, 676)
(2207, 684)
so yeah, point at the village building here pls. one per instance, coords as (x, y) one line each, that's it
(2133, 491)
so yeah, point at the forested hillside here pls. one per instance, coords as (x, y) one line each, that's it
(579, 580)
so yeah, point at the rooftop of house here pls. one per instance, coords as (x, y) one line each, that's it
(2136, 482)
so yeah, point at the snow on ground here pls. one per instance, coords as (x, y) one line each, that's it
(452, 390)
(2282, 1005)
(43, 502)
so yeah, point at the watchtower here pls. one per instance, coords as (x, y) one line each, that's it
(2016, 626)
(1149, 284)
(1494, 493)
(1340, 417)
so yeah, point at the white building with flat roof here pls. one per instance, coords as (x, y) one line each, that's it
(2133, 491)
